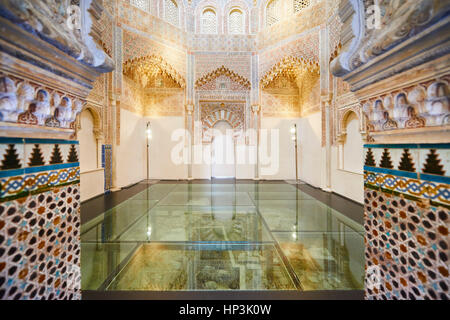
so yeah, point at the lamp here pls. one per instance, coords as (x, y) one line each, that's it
(149, 133)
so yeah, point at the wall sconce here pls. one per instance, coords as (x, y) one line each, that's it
(149, 131)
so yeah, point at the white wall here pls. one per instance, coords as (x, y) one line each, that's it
(92, 175)
(310, 149)
(223, 151)
(131, 153)
(88, 143)
(92, 183)
(246, 160)
(162, 165)
(353, 146)
(284, 153)
(347, 163)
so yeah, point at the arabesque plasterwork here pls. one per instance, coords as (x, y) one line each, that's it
(144, 69)
(222, 71)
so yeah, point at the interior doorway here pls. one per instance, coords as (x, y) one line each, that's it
(223, 152)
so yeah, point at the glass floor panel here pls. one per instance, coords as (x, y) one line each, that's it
(325, 260)
(207, 198)
(199, 224)
(155, 192)
(110, 225)
(222, 237)
(240, 187)
(279, 196)
(303, 215)
(100, 262)
(166, 267)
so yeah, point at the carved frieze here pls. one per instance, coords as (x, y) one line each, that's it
(30, 103)
(424, 104)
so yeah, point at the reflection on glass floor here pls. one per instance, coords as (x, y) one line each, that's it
(203, 267)
(222, 237)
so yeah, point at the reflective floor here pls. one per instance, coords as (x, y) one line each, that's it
(222, 237)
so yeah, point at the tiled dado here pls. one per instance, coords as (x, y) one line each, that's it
(417, 171)
(407, 201)
(35, 165)
(39, 219)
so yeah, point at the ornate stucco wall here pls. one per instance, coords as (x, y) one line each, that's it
(44, 88)
(400, 85)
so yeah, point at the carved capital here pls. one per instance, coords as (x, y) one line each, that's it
(189, 108)
(340, 139)
(327, 98)
(98, 134)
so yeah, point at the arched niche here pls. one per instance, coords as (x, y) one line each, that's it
(97, 121)
(89, 136)
(350, 148)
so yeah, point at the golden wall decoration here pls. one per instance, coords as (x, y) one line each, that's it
(223, 71)
(143, 69)
(291, 87)
(288, 67)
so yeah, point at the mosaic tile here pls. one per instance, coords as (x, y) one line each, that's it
(39, 228)
(406, 233)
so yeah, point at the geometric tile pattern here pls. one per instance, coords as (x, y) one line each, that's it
(420, 158)
(407, 221)
(409, 243)
(417, 171)
(39, 219)
(35, 165)
(18, 186)
(40, 246)
(439, 193)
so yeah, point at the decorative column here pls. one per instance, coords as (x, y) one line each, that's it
(48, 64)
(400, 72)
(326, 100)
(190, 137)
(114, 143)
(326, 97)
(256, 125)
(190, 109)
